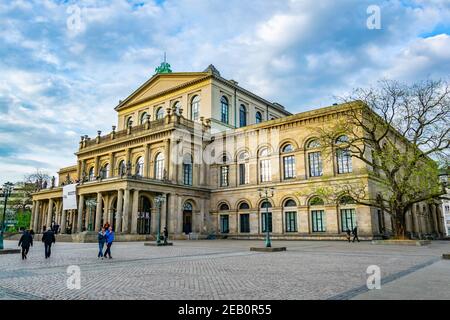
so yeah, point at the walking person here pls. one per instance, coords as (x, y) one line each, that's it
(48, 238)
(355, 234)
(109, 241)
(26, 240)
(101, 242)
(348, 235)
(166, 235)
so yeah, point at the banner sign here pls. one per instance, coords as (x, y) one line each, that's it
(70, 197)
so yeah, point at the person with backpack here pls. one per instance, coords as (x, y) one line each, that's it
(48, 238)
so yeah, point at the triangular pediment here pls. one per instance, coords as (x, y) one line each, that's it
(160, 83)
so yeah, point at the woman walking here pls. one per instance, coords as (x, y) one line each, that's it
(109, 241)
(101, 242)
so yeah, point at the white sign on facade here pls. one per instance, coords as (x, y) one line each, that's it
(70, 197)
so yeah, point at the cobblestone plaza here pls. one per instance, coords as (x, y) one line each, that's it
(224, 269)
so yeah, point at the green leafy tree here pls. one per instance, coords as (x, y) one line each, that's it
(396, 130)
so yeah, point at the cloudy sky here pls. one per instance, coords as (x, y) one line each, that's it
(65, 64)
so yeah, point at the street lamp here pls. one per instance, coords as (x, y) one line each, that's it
(159, 200)
(267, 193)
(7, 189)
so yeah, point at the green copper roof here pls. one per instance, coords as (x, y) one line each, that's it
(164, 67)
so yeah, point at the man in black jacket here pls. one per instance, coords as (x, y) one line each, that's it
(355, 234)
(26, 240)
(48, 238)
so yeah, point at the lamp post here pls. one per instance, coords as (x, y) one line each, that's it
(7, 189)
(159, 200)
(267, 193)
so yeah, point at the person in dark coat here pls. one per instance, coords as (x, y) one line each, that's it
(48, 238)
(166, 235)
(101, 237)
(355, 234)
(26, 240)
(348, 235)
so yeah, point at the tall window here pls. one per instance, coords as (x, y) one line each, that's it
(264, 166)
(224, 109)
(91, 174)
(195, 107)
(317, 212)
(129, 122)
(244, 222)
(348, 215)
(290, 213)
(258, 117)
(264, 206)
(187, 170)
(243, 168)
(343, 155)
(143, 117)
(288, 162)
(314, 158)
(140, 167)
(224, 223)
(242, 116)
(122, 168)
(159, 166)
(224, 171)
(105, 171)
(159, 113)
(177, 107)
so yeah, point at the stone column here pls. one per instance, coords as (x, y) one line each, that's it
(36, 216)
(111, 165)
(134, 212)
(97, 166)
(80, 213)
(98, 212)
(49, 212)
(33, 214)
(164, 207)
(146, 160)
(106, 209)
(119, 212)
(434, 219)
(167, 159)
(126, 211)
(63, 221)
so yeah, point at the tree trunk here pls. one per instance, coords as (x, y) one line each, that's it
(400, 224)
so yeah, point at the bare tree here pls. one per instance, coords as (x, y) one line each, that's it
(396, 130)
(34, 182)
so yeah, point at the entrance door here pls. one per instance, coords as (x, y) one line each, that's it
(144, 216)
(187, 218)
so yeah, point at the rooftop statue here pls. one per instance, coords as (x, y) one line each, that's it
(164, 67)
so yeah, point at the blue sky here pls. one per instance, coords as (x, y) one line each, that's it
(62, 76)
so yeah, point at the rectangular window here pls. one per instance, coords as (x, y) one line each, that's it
(291, 221)
(245, 223)
(344, 161)
(263, 221)
(224, 224)
(348, 219)
(224, 170)
(318, 220)
(187, 174)
(289, 167)
(243, 173)
(315, 164)
(265, 170)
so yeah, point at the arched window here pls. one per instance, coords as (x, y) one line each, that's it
(266, 214)
(224, 207)
(348, 213)
(224, 109)
(187, 206)
(288, 162)
(242, 116)
(258, 117)
(290, 215)
(244, 206)
(91, 174)
(140, 167)
(159, 166)
(195, 108)
(314, 158)
(122, 168)
(317, 213)
(129, 122)
(244, 168)
(143, 117)
(264, 165)
(105, 171)
(343, 155)
(159, 113)
(187, 170)
(177, 107)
